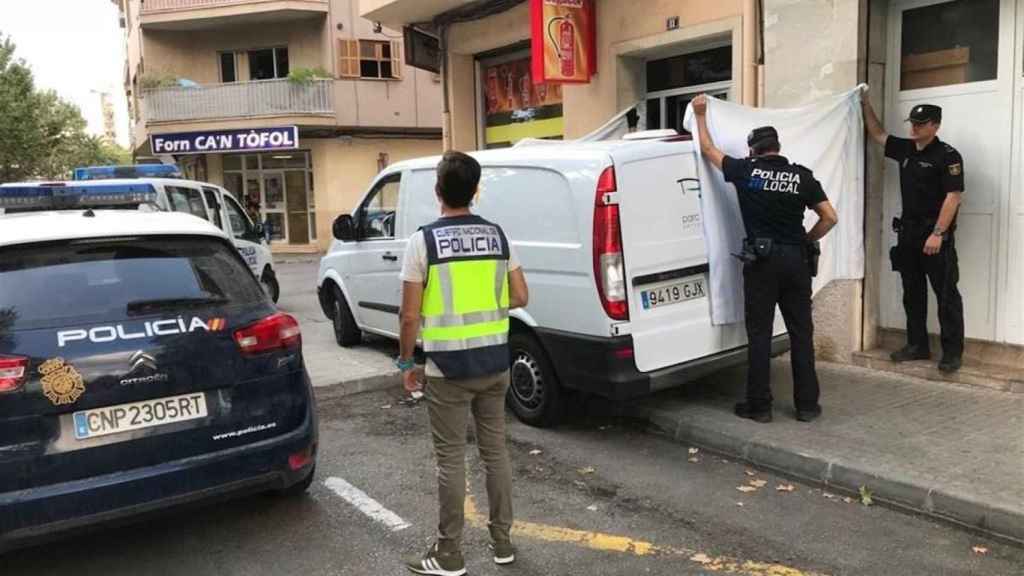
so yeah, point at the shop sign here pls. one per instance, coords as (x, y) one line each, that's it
(563, 35)
(217, 141)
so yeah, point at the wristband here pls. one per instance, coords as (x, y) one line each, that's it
(405, 365)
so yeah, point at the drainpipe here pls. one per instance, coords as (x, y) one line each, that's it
(749, 88)
(446, 112)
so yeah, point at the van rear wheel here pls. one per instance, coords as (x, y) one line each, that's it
(534, 393)
(346, 333)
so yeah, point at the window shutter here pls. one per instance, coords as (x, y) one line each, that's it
(396, 59)
(348, 58)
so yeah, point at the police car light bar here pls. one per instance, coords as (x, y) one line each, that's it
(60, 196)
(133, 171)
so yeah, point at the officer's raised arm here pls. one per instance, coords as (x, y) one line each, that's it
(707, 145)
(871, 122)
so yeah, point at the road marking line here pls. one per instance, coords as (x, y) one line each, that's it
(365, 504)
(613, 543)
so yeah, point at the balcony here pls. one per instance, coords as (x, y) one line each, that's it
(396, 13)
(241, 101)
(206, 14)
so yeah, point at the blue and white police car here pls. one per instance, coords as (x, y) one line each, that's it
(168, 192)
(142, 366)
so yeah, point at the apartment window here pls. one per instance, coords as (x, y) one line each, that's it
(268, 63)
(673, 82)
(228, 67)
(369, 59)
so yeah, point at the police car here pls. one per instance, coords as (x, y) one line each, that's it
(207, 201)
(141, 367)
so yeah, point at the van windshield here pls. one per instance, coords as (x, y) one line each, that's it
(48, 285)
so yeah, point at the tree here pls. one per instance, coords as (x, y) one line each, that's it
(42, 136)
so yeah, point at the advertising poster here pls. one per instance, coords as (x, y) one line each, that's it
(516, 107)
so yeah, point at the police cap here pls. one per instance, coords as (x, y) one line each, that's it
(763, 137)
(923, 113)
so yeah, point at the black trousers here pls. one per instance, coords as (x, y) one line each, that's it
(942, 270)
(782, 279)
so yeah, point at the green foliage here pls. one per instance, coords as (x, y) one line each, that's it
(41, 135)
(157, 80)
(304, 76)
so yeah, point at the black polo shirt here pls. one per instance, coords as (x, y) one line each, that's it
(773, 195)
(926, 176)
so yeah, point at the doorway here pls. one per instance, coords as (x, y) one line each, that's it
(960, 54)
(277, 190)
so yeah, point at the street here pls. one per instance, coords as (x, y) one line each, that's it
(596, 496)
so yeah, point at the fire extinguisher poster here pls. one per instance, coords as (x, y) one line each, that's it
(563, 40)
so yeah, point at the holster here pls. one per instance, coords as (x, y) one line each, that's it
(813, 256)
(755, 250)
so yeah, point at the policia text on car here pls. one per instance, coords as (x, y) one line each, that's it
(777, 259)
(931, 182)
(460, 277)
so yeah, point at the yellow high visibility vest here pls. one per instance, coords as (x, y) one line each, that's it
(465, 305)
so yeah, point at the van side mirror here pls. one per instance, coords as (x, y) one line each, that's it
(344, 228)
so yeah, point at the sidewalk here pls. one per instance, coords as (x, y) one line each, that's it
(944, 450)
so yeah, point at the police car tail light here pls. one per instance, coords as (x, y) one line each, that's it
(12, 372)
(609, 269)
(277, 332)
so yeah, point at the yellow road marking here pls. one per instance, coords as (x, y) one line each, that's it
(613, 543)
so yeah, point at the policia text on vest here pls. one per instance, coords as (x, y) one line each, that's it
(460, 278)
(778, 257)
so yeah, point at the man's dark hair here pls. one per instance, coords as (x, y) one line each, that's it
(764, 140)
(458, 176)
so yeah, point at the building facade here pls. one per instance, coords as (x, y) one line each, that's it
(215, 71)
(965, 55)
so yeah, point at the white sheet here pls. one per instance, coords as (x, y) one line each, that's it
(827, 137)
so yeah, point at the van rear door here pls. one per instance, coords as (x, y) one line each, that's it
(665, 256)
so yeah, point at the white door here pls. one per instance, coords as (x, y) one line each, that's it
(272, 207)
(958, 54)
(376, 260)
(247, 241)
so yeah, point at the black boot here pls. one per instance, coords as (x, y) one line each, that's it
(746, 410)
(950, 364)
(908, 353)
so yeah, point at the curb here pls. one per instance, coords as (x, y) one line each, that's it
(992, 520)
(344, 388)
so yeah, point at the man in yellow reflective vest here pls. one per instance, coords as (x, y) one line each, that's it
(460, 278)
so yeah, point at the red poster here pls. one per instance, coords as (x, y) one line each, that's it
(563, 40)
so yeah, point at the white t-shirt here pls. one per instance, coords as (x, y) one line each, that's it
(414, 269)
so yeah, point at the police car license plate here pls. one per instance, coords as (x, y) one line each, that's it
(688, 289)
(137, 415)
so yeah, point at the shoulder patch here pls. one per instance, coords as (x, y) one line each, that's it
(955, 169)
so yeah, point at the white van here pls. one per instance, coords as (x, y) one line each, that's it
(611, 240)
(207, 201)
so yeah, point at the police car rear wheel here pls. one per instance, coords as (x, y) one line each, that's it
(534, 394)
(346, 333)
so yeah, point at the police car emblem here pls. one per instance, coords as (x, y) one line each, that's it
(62, 384)
(954, 169)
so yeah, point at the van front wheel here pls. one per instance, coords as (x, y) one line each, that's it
(534, 393)
(346, 333)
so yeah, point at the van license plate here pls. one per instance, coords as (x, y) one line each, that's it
(145, 414)
(688, 289)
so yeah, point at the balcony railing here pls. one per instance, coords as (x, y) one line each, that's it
(155, 5)
(239, 100)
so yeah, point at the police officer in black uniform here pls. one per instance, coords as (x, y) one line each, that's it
(773, 194)
(931, 182)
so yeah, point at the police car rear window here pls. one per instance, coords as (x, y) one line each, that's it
(47, 285)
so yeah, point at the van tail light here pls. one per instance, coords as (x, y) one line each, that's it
(277, 332)
(609, 268)
(12, 372)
